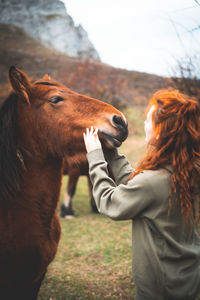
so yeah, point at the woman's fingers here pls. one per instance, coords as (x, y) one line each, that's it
(91, 131)
(96, 131)
(91, 139)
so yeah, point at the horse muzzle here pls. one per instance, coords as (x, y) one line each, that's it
(114, 140)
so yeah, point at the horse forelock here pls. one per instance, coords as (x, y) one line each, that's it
(10, 166)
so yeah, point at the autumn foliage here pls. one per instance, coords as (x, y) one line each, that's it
(116, 86)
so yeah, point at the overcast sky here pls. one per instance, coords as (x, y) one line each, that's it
(142, 35)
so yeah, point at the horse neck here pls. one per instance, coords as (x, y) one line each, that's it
(41, 184)
(28, 178)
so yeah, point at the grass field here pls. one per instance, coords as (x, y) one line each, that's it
(94, 257)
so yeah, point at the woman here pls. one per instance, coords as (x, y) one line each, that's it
(161, 196)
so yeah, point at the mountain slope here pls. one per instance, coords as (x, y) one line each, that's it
(116, 86)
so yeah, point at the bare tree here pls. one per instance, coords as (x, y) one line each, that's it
(186, 76)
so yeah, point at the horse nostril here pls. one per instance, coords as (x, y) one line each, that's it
(122, 127)
(118, 121)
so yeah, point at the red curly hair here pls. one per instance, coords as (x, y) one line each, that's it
(175, 141)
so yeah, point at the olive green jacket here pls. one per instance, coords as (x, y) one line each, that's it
(166, 254)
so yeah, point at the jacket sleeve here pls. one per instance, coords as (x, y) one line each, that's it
(120, 202)
(119, 166)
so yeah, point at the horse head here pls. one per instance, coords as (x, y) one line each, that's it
(61, 115)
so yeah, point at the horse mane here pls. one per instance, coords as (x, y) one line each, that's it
(10, 165)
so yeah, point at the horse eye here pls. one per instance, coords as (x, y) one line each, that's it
(56, 99)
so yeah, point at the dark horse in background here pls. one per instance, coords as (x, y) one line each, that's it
(75, 169)
(40, 123)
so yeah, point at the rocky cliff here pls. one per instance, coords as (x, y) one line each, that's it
(49, 22)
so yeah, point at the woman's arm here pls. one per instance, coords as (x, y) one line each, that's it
(119, 166)
(120, 202)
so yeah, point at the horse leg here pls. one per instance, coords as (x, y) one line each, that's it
(66, 208)
(92, 201)
(22, 292)
(34, 290)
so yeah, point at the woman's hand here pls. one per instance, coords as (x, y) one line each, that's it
(91, 139)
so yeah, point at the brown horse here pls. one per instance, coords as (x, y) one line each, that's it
(40, 123)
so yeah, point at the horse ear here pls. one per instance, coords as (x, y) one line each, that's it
(47, 77)
(20, 83)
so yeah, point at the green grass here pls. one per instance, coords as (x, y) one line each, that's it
(94, 258)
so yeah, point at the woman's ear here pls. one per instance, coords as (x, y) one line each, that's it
(20, 83)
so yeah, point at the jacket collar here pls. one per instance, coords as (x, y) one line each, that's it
(168, 168)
